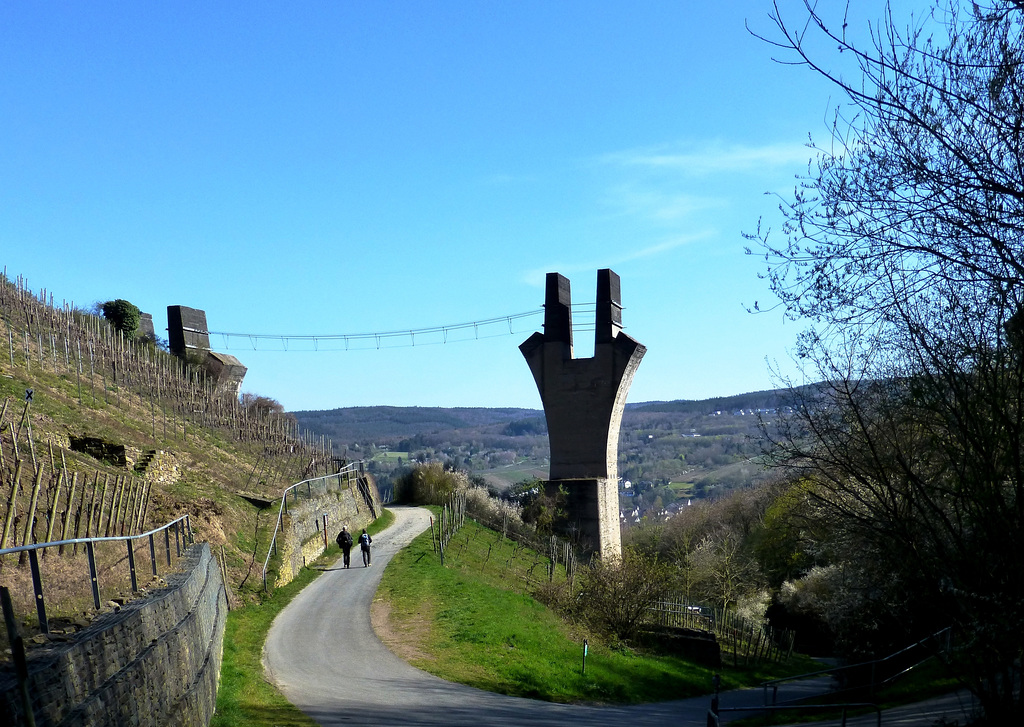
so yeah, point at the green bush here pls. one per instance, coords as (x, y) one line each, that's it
(123, 315)
(430, 484)
(615, 596)
(545, 508)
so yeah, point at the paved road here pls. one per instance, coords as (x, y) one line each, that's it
(322, 653)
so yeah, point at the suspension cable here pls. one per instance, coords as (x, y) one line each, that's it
(408, 337)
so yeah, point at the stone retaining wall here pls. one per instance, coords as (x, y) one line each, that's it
(302, 537)
(155, 662)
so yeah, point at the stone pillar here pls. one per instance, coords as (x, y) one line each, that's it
(188, 333)
(146, 329)
(583, 404)
(187, 329)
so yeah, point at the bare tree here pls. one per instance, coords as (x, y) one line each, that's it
(726, 569)
(922, 179)
(616, 596)
(904, 250)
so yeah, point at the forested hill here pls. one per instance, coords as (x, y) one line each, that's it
(669, 450)
(384, 423)
(388, 424)
(755, 400)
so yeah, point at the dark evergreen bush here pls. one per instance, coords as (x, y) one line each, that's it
(123, 315)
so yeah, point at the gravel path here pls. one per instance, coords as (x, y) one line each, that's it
(322, 653)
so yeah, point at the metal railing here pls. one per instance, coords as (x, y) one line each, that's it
(343, 475)
(183, 536)
(714, 714)
(873, 665)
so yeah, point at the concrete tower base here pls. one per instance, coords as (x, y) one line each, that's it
(583, 403)
(592, 514)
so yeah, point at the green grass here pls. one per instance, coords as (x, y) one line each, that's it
(244, 697)
(513, 474)
(479, 626)
(484, 630)
(682, 489)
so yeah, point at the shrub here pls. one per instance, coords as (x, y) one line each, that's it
(616, 596)
(544, 509)
(483, 505)
(123, 315)
(430, 484)
(434, 484)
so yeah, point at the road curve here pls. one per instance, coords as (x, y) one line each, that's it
(322, 653)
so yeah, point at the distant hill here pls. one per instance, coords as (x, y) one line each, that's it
(754, 400)
(389, 423)
(669, 451)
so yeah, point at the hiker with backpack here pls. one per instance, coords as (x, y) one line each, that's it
(345, 543)
(364, 545)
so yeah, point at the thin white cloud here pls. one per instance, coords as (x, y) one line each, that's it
(658, 204)
(535, 277)
(655, 193)
(714, 157)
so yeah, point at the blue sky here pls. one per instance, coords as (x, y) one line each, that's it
(327, 168)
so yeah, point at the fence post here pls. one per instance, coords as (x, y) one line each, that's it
(37, 588)
(18, 654)
(91, 555)
(68, 510)
(152, 553)
(167, 544)
(131, 565)
(51, 519)
(177, 537)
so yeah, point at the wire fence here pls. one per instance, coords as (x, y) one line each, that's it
(60, 594)
(742, 640)
(560, 555)
(451, 518)
(868, 676)
(348, 477)
(504, 546)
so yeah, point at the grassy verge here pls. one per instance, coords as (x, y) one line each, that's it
(245, 697)
(476, 623)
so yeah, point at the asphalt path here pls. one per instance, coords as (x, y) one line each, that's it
(322, 653)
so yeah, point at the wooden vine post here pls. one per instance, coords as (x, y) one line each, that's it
(11, 504)
(69, 510)
(53, 508)
(27, 539)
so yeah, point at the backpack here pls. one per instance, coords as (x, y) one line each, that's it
(344, 539)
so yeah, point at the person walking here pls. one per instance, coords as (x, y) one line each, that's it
(364, 545)
(345, 543)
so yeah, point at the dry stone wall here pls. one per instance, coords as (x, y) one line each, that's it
(155, 662)
(302, 536)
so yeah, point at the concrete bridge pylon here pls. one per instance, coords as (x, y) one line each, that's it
(583, 402)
